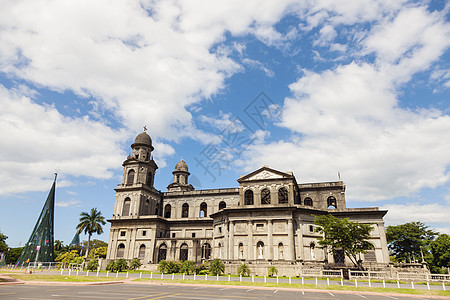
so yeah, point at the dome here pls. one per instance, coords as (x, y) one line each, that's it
(181, 166)
(143, 139)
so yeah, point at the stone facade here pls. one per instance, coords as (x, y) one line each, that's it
(268, 219)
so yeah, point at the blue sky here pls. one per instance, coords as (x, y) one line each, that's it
(313, 87)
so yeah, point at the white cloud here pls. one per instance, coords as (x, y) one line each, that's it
(258, 65)
(427, 213)
(347, 119)
(70, 203)
(37, 140)
(224, 122)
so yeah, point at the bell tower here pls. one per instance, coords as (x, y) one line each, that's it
(136, 196)
(180, 178)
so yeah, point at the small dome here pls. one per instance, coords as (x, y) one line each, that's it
(181, 166)
(143, 139)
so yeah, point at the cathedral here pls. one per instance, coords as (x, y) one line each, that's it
(268, 219)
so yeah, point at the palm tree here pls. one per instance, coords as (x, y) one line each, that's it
(91, 223)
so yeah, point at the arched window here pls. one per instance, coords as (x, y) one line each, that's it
(280, 251)
(157, 209)
(185, 211)
(265, 196)
(331, 202)
(120, 251)
(241, 251)
(222, 205)
(308, 201)
(162, 253)
(248, 197)
(260, 250)
(130, 177)
(206, 251)
(203, 210)
(149, 179)
(184, 252)
(141, 252)
(167, 211)
(126, 207)
(177, 178)
(282, 196)
(311, 249)
(220, 250)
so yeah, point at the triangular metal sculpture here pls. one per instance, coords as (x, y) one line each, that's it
(39, 247)
(75, 241)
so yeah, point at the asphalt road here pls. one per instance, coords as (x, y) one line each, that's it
(140, 291)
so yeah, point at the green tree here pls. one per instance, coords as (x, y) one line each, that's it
(272, 271)
(58, 245)
(91, 223)
(440, 248)
(69, 258)
(99, 252)
(406, 240)
(216, 267)
(135, 264)
(13, 255)
(243, 270)
(345, 235)
(3, 245)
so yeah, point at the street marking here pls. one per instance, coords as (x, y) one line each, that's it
(361, 296)
(331, 294)
(303, 292)
(2, 294)
(56, 290)
(391, 297)
(275, 291)
(170, 295)
(248, 291)
(145, 296)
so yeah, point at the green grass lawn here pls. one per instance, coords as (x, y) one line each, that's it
(305, 286)
(36, 277)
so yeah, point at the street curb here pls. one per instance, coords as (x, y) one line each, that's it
(292, 289)
(12, 281)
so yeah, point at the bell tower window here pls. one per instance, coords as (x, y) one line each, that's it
(130, 177)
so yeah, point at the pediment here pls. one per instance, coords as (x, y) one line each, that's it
(265, 173)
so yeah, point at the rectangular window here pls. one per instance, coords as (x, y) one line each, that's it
(144, 232)
(122, 233)
(173, 235)
(220, 229)
(193, 234)
(260, 227)
(311, 228)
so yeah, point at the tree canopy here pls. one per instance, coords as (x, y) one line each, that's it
(91, 223)
(405, 240)
(345, 235)
(3, 245)
(440, 248)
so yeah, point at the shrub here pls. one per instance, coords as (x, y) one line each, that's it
(200, 269)
(243, 270)
(162, 266)
(187, 267)
(110, 266)
(216, 267)
(272, 271)
(135, 264)
(173, 267)
(92, 265)
(120, 265)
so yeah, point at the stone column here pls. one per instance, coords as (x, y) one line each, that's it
(383, 241)
(231, 242)
(270, 238)
(250, 240)
(153, 254)
(300, 247)
(112, 245)
(225, 241)
(291, 240)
